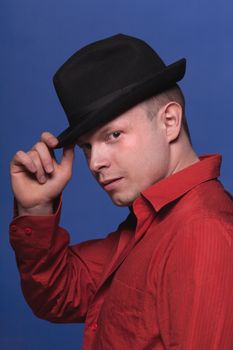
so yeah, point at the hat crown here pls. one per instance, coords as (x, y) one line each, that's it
(106, 78)
(102, 68)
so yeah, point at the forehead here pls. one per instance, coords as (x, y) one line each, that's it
(125, 120)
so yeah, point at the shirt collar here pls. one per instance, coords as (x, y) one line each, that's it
(176, 185)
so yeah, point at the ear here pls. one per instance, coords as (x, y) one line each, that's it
(171, 118)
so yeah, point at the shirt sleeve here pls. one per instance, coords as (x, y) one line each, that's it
(58, 281)
(196, 288)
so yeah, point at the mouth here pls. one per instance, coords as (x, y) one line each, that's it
(110, 184)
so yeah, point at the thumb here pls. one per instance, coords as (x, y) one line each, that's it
(67, 158)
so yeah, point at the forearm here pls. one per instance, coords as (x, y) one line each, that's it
(54, 280)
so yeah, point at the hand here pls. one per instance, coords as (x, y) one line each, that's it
(37, 179)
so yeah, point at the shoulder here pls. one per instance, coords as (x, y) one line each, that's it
(202, 226)
(207, 202)
(206, 229)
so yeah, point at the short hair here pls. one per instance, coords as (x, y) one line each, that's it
(154, 103)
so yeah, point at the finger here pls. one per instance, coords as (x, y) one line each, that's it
(22, 161)
(67, 159)
(45, 156)
(40, 172)
(49, 139)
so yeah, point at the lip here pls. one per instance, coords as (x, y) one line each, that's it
(111, 184)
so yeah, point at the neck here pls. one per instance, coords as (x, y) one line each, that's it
(182, 155)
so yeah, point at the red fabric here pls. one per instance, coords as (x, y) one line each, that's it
(162, 281)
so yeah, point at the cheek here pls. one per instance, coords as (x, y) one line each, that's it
(148, 163)
(141, 158)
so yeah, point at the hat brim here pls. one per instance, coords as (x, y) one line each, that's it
(110, 106)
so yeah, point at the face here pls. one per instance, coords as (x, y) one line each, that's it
(127, 155)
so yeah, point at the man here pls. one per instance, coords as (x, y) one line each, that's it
(164, 279)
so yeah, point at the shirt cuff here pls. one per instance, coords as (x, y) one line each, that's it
(34, 231)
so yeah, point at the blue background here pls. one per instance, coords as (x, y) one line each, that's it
(36, 37)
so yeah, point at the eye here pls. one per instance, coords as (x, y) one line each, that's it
(114, 135)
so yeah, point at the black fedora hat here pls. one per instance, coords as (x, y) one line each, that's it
(106, 78)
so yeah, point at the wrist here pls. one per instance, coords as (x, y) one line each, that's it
(39, 210)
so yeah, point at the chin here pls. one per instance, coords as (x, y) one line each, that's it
(121, 201)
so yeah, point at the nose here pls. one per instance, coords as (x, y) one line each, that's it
(98, 159)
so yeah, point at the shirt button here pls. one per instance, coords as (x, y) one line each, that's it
(28, 231)
(93, 326)
(13, 228)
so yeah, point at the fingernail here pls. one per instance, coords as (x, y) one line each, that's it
(42, 179)
(33, 168)
(52, 141)
(49, 168)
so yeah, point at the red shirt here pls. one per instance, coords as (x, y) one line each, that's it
(163, 280)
